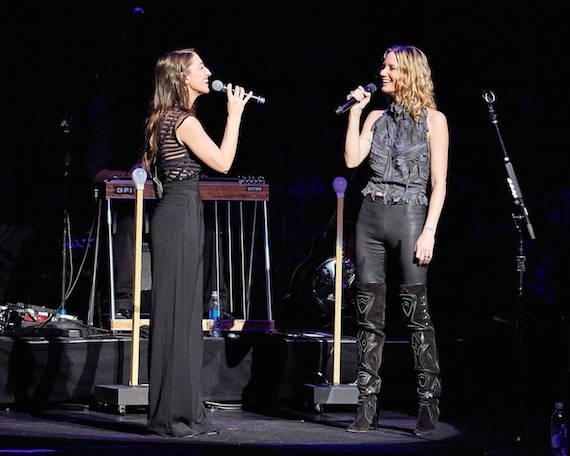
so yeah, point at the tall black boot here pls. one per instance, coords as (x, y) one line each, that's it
(370, 316)
(426, 362)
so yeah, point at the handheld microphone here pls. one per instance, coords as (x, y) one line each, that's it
(219, 86)
(346, 106)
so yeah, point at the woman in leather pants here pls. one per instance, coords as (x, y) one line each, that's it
(406, 146)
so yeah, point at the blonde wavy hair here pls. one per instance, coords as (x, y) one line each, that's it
(170, 92)
(414, 89)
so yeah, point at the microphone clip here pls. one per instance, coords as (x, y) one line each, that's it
(490, 98)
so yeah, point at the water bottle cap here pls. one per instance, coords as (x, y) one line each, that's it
(214, 293)
(559, 405)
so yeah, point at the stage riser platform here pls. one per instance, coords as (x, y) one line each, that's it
(253, 368)
(35, 371)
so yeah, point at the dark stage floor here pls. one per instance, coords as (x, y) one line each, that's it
(57, 377)
(77, 430)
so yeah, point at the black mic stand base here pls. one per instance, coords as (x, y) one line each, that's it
(116, 398)
(317, 395)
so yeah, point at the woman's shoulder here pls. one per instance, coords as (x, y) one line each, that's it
(374, 115)
(436, 123)
(435, 116)
(182, 116)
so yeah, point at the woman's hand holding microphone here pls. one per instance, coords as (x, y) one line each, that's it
(237, 98)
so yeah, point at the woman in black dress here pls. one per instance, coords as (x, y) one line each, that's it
(406, 146)
(178, 145)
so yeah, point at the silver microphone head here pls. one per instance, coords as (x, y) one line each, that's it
(371, 88)
(218, 85)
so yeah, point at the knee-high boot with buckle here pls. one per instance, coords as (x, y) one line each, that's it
(370, 315)
(426, 363)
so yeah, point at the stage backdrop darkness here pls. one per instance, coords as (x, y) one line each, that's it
(305, 58)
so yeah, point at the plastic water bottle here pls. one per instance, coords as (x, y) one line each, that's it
(214, 306)
(558, 431)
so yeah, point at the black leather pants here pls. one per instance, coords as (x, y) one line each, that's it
(382, 232)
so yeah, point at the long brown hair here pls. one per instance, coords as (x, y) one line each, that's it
(415, 86)
(170, 92)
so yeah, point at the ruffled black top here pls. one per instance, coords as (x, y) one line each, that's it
(399, 158)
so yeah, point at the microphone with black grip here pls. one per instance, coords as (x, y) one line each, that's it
(219, 86)
(346, 106)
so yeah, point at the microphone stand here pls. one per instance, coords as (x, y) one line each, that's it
(520, 217)
(66, 127)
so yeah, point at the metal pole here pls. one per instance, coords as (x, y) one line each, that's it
(63, 263)
(66, 241)
(111, 271)
(242, 258)
(230, 277)
(217, 247)
(267, 262)
(251, 259)
(95, 262)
